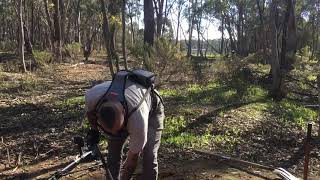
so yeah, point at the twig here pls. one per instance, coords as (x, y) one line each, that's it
(8, 154)
(44, 154)
(2, 141)
(18, 162)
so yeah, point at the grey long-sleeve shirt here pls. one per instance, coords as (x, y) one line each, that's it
(137, 125)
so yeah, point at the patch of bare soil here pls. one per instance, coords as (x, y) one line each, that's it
(36, 130)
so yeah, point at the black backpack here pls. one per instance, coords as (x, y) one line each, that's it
(116, 91)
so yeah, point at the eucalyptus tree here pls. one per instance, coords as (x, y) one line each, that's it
(57, 29)
(8, 29)
(149, 23)
(158, 7)
(283, 38)
(20, 13)
(106, 34)
(190, 14)
(134, 10)
(198, 21)
(180, 6)
(123, 43)
(308, 16)
(262, 43)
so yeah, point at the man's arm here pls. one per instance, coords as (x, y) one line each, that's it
(93, 135)
(92, 118)
(129, 165)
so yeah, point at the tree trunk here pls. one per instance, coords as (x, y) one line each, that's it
(3, 29)
(62, 21)
(78, 22)
(276, 90)
(199, 52)
(21, 35)
(113, 45)
(222, 35)
(178, 26)
(106, 34)
(67, 33)
(289, 39)
(240, 43)
(159, 12)
(114, 10)
(199, 31)
(318, 82)
(262, 41)
(317, 30)
(148, 22)
(229, 29)
(132, 31)
(124, 54)
(166, 11)
(57, 28)
(29, 48)
(191, 20)
(50, 25)
(32, 23)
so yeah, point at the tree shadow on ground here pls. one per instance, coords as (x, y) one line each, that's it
(215, 96)
(28, 117)
(5, 56)
(35, 174)
(275, 141)
(34, 129)
(199, 124)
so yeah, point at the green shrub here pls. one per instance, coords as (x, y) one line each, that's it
(31, 84)
(8, 45)
(172, 136)
(253, 93)
(72, 51)
(294, 113)
(164, 58)
(305, 51)
(43, 58)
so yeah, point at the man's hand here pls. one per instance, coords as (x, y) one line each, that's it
(93, 137)
(129, 165)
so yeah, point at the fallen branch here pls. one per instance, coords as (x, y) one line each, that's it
(8, 154)
(235, 160)
(46, 153)
(279, 171)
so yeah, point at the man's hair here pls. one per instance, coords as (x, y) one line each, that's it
(108, 114)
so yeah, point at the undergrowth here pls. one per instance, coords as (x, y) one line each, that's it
(183, 126)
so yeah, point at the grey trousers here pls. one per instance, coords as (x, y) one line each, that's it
(149, 155)
(150, 151)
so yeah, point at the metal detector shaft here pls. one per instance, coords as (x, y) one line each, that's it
(108, 173)
(71, 166)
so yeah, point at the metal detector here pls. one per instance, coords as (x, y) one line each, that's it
(83, 157)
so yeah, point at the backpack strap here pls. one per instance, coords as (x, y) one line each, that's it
(157, 94)
(113, 94)
(137, 107)
(123, 132)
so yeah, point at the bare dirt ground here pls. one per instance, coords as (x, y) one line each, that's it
(40, 117)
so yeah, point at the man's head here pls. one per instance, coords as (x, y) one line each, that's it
(111, 116)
